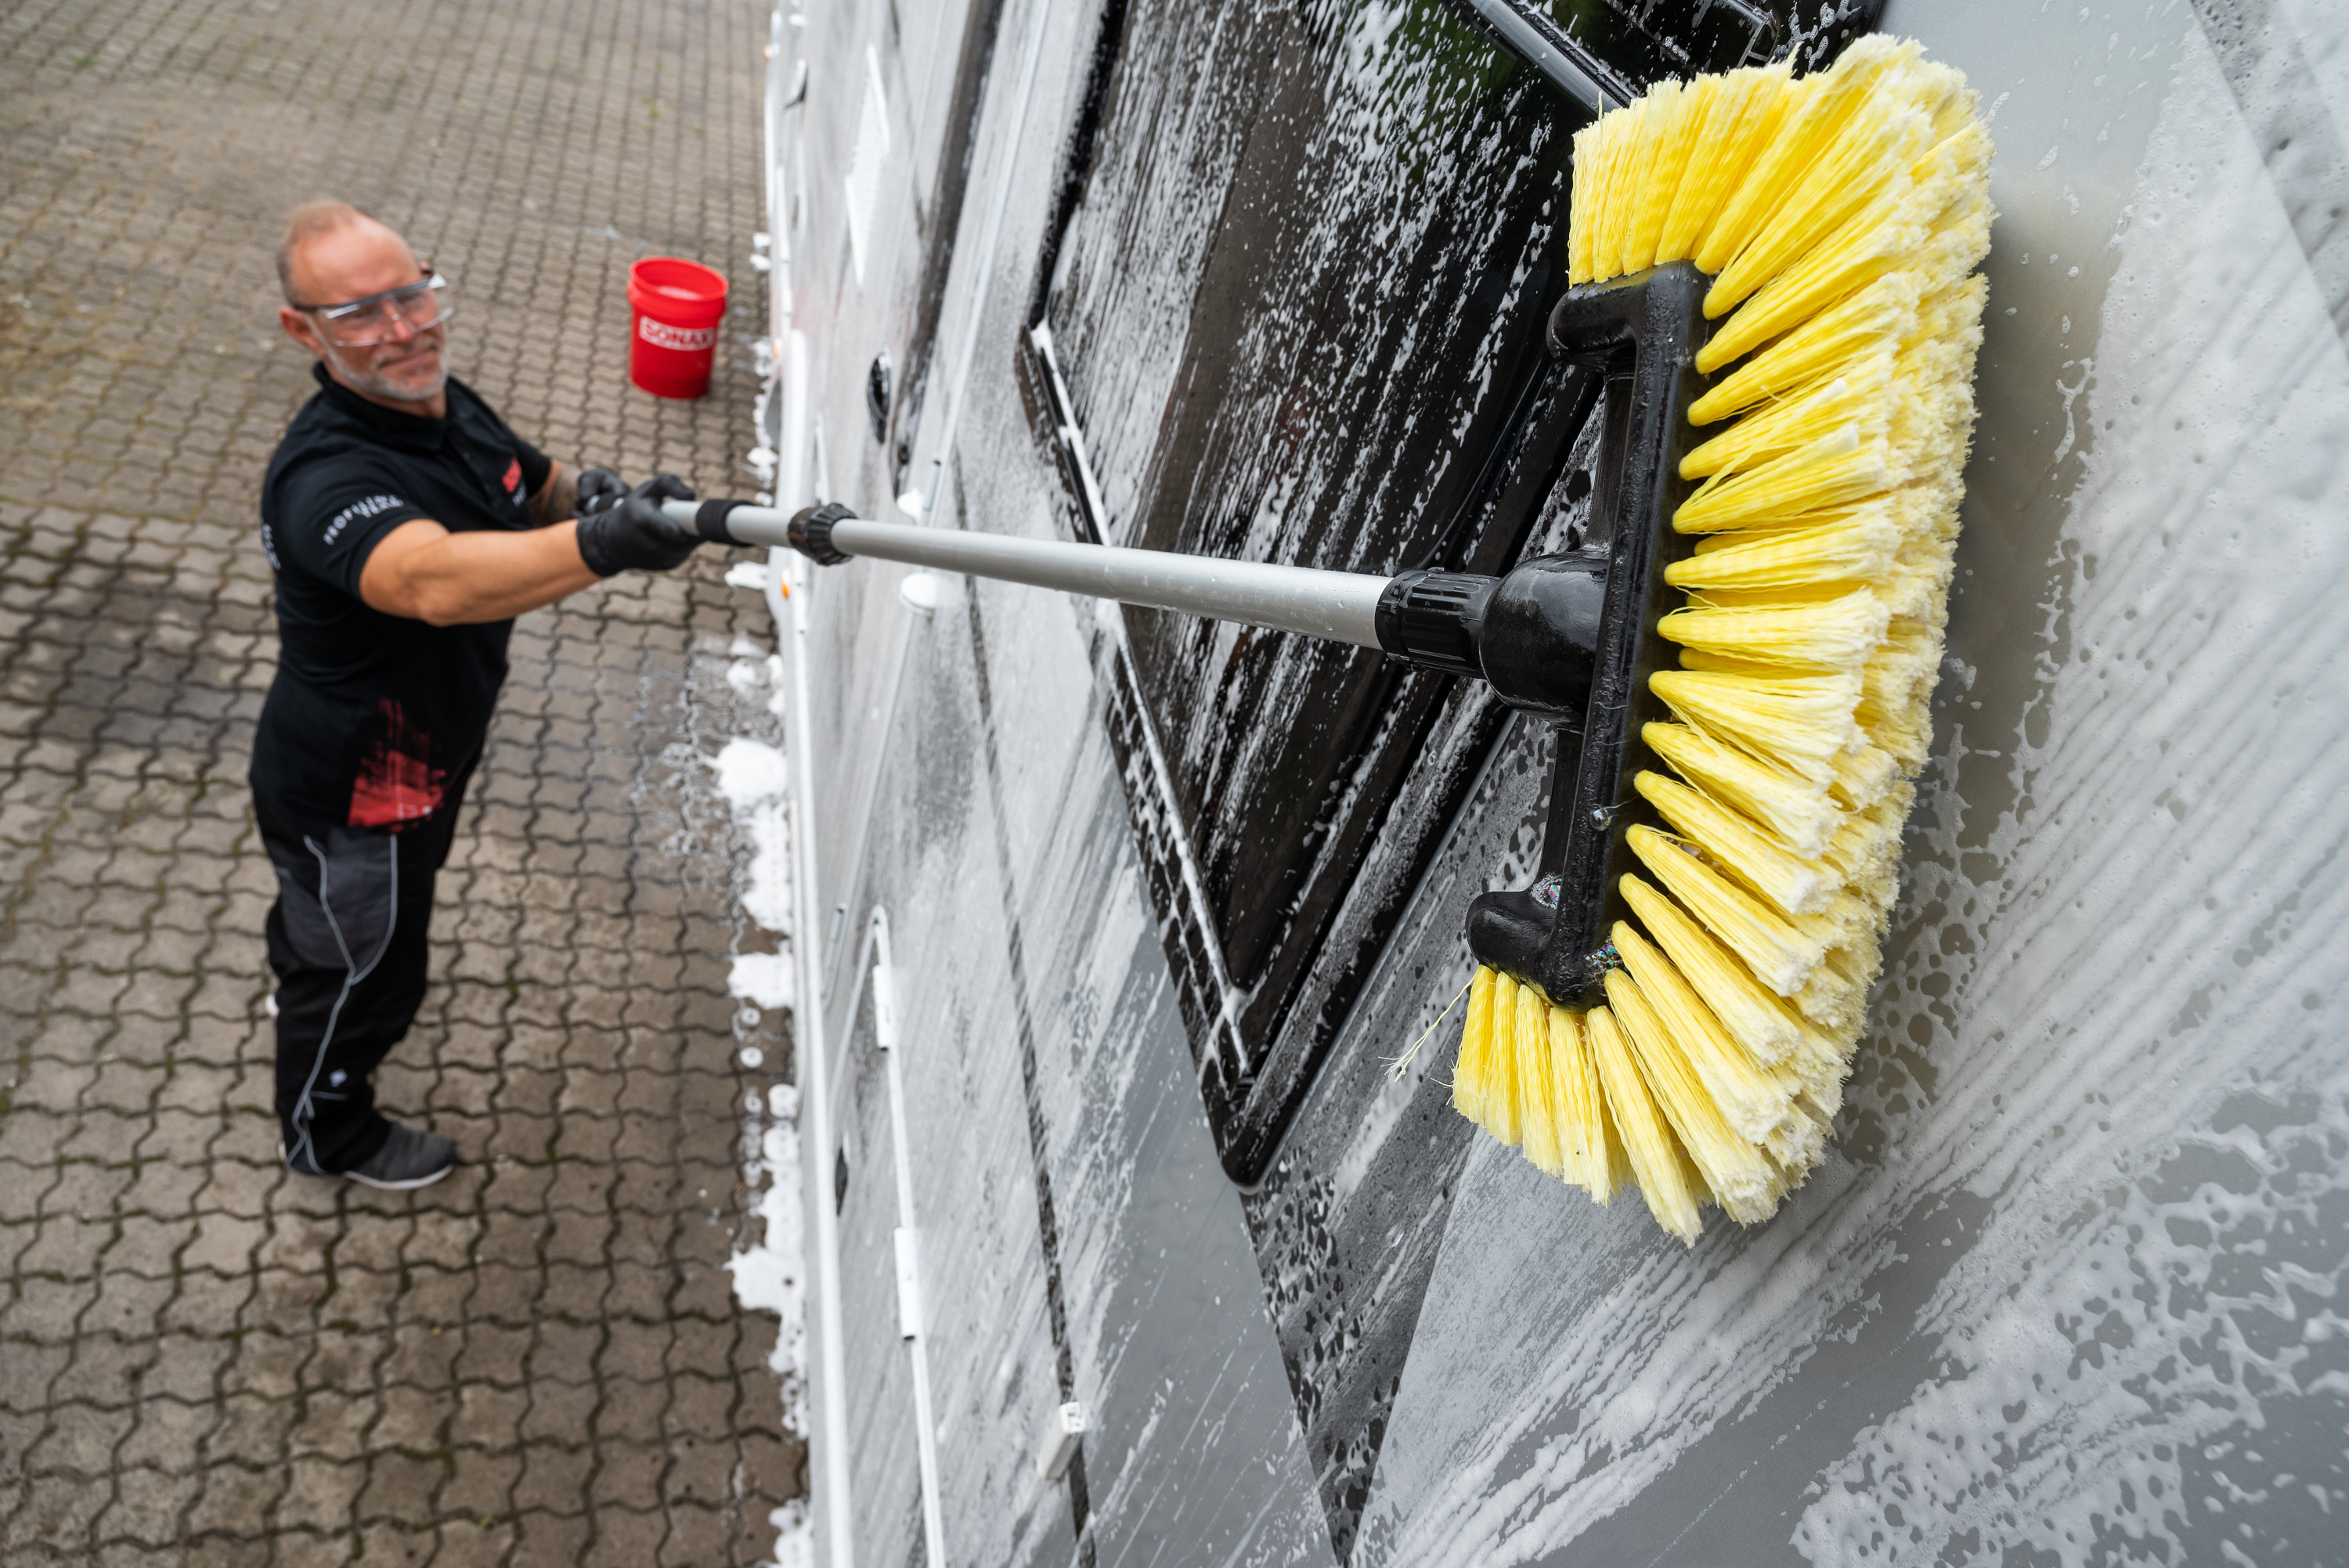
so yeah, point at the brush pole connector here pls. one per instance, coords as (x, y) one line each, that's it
(1532, 634)
(810, 532)
(1435, 618)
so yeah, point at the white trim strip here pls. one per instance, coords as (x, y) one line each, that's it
(913, 1313)
(829, 1393)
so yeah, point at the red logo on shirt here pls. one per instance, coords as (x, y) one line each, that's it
(513, 477)
(397, 783)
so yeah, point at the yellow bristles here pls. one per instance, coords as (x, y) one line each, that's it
(1871, 244)
(1781, 953)
(1957, 313)
(1838, 634)
(1960, 239)
(1589, 1152)
(1497, 1101)
(1837, 185)
(1761, 862)
(1868, 846)
(1618, 134)
(1584, 196)
(1954, 106)
(1841, 465)
(1692, 160)
(1881, 315)
(1839, 218)
(1861, 775)
(1756, 1018)
(1962, 158)
(1654, 1154)
(1779, 107)
(1861, 545)
(1653, 176)
(1825, 108)
(1797, 810)
(1475, 1064)
(1797, 1144)
(1895, 687)
(1732, 1169)
(1835, 998)
(1749, 1100)
(1535, 1098)
(1857, 396)
(1737, 110)
(1802, 722)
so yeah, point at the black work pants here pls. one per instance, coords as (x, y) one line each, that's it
(347, 939)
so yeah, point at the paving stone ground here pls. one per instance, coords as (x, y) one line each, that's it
(202, 1360)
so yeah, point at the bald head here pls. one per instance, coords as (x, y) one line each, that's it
(315, 220)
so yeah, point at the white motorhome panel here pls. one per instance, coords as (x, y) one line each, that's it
(2068, 1288)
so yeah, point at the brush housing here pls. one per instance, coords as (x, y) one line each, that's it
(1640, 334)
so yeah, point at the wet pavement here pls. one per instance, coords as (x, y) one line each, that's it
(202, 1360)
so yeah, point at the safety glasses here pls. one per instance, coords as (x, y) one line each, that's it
(377, 317)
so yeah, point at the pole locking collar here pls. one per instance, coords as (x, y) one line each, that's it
(811, 532)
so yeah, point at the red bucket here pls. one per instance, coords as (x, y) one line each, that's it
(673, 305)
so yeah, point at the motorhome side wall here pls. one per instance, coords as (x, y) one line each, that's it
(2068, 1290)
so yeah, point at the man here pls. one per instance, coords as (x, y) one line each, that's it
(407, 526)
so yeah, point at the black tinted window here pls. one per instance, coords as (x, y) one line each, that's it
(1295, 315)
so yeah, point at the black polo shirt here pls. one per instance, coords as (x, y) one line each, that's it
(374, 720)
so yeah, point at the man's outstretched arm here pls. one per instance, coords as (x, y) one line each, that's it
(421, 571)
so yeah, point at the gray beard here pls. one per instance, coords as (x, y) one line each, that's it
(378, 384)
(383, 385)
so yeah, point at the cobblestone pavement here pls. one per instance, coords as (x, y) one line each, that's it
(204, 1359)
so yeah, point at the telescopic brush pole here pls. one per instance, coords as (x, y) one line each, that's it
(1572, 637)
(1530, 633)
(1341, 606)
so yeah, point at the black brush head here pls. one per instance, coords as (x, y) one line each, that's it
(1587, 626)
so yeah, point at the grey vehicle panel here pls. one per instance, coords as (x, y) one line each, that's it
(2069, 1284)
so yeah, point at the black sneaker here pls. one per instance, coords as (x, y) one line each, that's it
(407, 1159)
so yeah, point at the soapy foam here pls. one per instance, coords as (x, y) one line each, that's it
(754, 780)
(750, 782)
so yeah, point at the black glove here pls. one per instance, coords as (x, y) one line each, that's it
(635, 534)
(599, 490)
